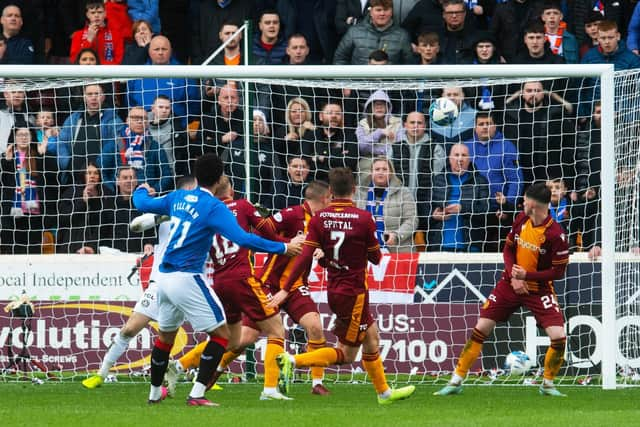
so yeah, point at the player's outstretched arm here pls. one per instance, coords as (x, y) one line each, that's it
(265, 228)
(223, 221)
(144, 201)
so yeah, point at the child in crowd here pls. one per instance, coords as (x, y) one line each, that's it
(46, 137)
(558, 207)
(429, 48)
(46, 130)
(591, 30)
(99, 34)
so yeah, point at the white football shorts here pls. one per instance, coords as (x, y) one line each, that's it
(186, 296)
(148, 302)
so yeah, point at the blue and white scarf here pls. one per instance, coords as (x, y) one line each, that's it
(376, 208)
(25, 198)
(132, 150)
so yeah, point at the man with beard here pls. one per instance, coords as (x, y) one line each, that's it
(232, 54)
(538, 121)
(334, 145)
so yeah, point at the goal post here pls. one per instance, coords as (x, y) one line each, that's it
(415, 77)
(608, 239)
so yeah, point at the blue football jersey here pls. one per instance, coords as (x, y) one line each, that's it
(196, 215)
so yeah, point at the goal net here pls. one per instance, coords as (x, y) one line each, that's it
(444, 196)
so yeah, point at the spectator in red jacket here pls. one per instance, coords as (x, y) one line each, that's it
(102, 36)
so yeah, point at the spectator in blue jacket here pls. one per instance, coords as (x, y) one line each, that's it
(184, 93)
(20, 49)
(147, 10)
(610, 49)
(496, 158)
(633, 31)
(136, 148)
(86, 136)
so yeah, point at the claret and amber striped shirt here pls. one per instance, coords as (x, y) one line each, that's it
(542, 250)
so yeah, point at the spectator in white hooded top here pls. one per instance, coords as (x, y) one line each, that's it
(376, 131)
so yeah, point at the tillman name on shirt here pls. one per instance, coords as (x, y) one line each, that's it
(181, 206)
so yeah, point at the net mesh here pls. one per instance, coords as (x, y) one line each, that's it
(627, 226)
(92, 144)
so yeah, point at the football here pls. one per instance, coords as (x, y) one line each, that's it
(517, 363)
(443, 111)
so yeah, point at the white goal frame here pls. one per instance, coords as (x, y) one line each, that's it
(604, 72)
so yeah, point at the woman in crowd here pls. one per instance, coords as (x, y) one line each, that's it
(81, 210)
(136, 52)
(22, 196)
(392, 205)
(296, 136)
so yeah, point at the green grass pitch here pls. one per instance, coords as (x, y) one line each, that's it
(68, 404)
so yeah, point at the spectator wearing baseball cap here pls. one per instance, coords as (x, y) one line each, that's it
(591, 30)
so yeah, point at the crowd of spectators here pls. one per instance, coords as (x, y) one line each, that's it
(71, 156)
